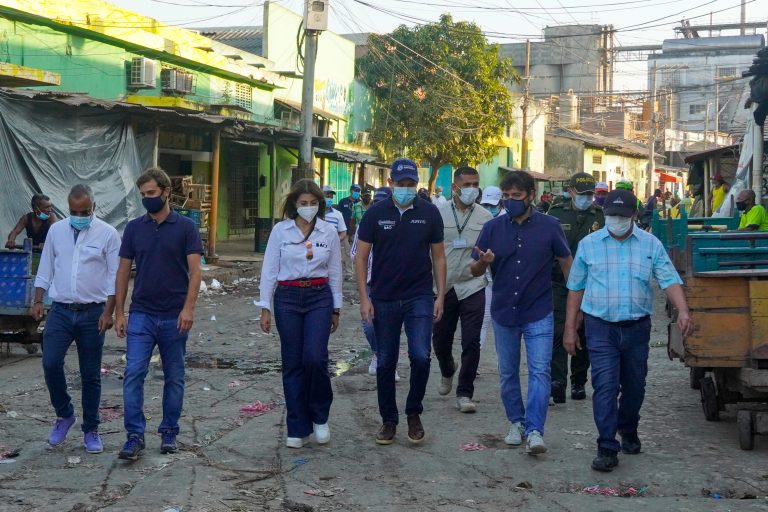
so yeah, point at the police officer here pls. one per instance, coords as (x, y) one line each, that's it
(579, 216)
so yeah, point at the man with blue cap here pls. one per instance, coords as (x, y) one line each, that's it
(406, 234)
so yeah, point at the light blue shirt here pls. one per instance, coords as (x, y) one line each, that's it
(616, 275)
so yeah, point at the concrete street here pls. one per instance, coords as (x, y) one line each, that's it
(231, 461)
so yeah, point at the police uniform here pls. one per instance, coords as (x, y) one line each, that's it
(576, 224)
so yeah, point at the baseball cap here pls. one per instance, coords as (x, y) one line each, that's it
(601, 186)
(624, 184)
(381, 194)
(491, 195)
(620, 202)
(404, 169)
(355, 187)
(328, 188)
(582, 183)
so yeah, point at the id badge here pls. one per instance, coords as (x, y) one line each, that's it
(460, 243)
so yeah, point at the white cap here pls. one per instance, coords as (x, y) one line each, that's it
(491, 195)
(328, 188)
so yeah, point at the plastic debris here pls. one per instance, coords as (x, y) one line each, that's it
(206, 388)
(472, 447)
(215, 284)
(524, 486)
(213, 319)
(579, 446)
(324, 493)
(73, 461)
(300, 462)
(578, 432)
(203, 287)
(257, 408)
(622, 492)
(235, 384)
(12, 414)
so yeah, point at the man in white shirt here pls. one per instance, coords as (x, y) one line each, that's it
(332, 215)
(438, 199)
(77, 268)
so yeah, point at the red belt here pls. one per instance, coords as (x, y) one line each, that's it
(304, 283)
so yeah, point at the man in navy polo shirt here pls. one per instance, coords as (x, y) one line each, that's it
(406, 234)
(166, 248)
(520, 248)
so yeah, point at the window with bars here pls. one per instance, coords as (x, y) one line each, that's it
(671, 78)
(724, 72)
(696, 109)
(597, 159)
(244, 96)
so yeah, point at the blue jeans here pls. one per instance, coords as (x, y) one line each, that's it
(145, 331)
(389, 317)
(303, 320)
(62, 327)
(538, 349)
(619, 355)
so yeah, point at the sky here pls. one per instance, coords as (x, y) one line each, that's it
(636, 21)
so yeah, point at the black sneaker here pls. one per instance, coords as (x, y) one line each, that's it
(630, 443)
(132, 448)
(558, 392)
(578, 392)
(168, 444)
(605, 461)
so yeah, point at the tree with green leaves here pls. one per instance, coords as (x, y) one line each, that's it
(440, 93)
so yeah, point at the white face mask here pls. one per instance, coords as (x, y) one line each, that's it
(582, 201)
(618, 225)
(307, 212)
(468, 195)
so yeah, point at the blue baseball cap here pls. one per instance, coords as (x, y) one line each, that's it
(355, 187)
(381, 194)
(404, 169)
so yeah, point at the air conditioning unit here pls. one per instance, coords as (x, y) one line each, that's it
(174, 80)
(143, 73)
(361, 138)
(290, 120)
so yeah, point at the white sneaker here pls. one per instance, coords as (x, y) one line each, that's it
(465, 404)
(372, 366)
(515, 435)
(446, 385)
(535, 444)
(397, 376)
(296, 442)
(322, 433)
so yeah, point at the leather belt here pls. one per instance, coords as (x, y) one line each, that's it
(304, 283)
(78, 307)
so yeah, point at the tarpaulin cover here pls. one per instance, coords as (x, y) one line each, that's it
(48, 148)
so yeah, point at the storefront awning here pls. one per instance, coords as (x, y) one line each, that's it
(669, 178)
(348, 157)
(293, 105)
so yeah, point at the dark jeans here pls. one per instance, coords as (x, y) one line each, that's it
(303, 320)
(145, 331)
(389, 317)
(470, 311)
(579, 362)
(61, 328)
(619, 354)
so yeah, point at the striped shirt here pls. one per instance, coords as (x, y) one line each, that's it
(616, 275)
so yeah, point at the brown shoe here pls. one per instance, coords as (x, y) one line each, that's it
(415, 429)
(386, 434)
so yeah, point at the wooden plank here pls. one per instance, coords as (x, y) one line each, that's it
(719, 302)
(720, 336)
(759, 307)
(758, 289)
(704, 287)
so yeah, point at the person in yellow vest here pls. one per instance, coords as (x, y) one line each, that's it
(674, 210)
(719, 191)
(753, 216)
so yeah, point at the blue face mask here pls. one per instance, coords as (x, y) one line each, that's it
(80, 223)
(515, 207)
(43, 216)
(355, 195)
(404, 195)
(328, 202)
(493, 210)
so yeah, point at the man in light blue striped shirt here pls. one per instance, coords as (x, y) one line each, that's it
(610, 283)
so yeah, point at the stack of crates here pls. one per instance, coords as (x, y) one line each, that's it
(15, 279)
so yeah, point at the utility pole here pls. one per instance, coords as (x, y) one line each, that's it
(652, 135)
(717, 103)
(524, 143)
(315, 21)
(743, 30)
(706, 127)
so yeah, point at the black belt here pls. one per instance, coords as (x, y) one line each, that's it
(622, 323)
(78, 307)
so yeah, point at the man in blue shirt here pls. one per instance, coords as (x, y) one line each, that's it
(610, 283)
(347, 206)
(406, 235)
(520, 247)
(167, 250)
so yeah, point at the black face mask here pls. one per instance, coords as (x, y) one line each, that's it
(741, 205)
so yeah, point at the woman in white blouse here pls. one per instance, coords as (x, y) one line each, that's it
(302, 272)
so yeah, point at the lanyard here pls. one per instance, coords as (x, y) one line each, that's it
(456, 218)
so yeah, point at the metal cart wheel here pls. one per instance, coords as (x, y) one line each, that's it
(709, 399)
(696, 374)
(744, 422)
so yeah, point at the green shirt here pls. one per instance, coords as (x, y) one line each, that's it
(357, 211)
(755, 216)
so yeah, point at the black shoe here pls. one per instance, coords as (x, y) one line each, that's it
(605, 461)
(168, 444)
(578, 392)
(630, 443)
(558, 392)
(132, 448)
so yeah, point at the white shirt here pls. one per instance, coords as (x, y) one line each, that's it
(334, 216)
(286, 259)
(79, 272)
(439, 200)
(353, 254)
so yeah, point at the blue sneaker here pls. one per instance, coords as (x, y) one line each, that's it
(168, 444)
(59, 431)
(92, 442)
(132, 448)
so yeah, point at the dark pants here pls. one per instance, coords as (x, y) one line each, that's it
(619, 354)
(61, 328)
(470, 311)
(303, 320)
(145, 331)
(579, 362)
(389, 317)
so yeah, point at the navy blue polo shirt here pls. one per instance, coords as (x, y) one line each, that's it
(345, 207)
(402, 261)
(522, 269)
(160, 252)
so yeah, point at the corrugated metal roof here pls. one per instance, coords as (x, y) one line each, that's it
(247, 38)
(600, 141)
